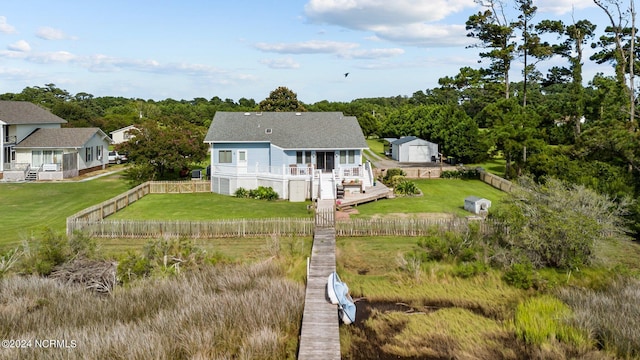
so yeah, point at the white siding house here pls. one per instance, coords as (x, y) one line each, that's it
(55, 154)
(18, 119)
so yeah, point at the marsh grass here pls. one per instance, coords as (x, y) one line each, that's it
(243, 312)
(545, 319)
(439, 334)
(478, 316)
(610, 315)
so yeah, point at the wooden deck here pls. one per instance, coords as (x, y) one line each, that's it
(320, 336)
(373, 193)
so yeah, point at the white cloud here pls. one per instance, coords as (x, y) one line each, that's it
(6, 28)
(282, 63)
(408, 22)
(425, 35)
(340, 49)
(307, 47)
(49, 33)
(363, 14)
(372, 53)
(20, 45)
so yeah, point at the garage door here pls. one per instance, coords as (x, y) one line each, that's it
(419, 153)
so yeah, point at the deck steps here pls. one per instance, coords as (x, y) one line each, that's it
(32, 175)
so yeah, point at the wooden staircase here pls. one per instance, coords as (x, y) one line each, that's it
(32, 175)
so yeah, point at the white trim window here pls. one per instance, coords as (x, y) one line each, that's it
(224, 157)
(303, 157)
(88, 154)
(347, 156)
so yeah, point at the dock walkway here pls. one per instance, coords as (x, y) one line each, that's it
(320, 335)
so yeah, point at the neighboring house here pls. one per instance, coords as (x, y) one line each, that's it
(55, 154)
(300, 155)
(411, 149)
(18, 119)
(122, 135)
(35, 147)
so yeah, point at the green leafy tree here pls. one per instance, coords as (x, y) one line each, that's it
(557, 224)
(574, 37)
(617, 46)
(495, 33)
(160, 151)
(282, 99)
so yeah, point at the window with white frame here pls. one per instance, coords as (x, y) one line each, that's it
(99, 152)
(224, 157)
(88, 154)
(347, 156)
(303, 157)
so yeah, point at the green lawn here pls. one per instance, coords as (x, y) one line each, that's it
(376, 146)
(27, 208)
(207, 206)
(439, 196)
(496, 166)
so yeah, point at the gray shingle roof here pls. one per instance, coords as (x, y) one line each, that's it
(403, 140)
(24, 112)
(288, 130)
(60, 138)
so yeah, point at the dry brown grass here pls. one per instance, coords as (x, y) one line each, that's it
(611, 315)
(240, 312)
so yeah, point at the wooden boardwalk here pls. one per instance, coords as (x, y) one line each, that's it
(320, 335)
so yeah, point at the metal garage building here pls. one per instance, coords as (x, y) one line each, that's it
(413, 149)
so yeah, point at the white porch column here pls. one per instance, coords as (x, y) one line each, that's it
(2, 124)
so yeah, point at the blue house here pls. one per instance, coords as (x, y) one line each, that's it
(301, 155)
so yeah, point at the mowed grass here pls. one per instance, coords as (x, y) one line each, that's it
(27, 208)
(439, 196)
(208, 206)
(376, 146)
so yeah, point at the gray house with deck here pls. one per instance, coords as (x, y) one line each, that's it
(301, 155)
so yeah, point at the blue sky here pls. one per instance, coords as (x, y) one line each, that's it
(232, 49)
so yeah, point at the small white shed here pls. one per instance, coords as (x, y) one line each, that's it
(413, 149)
(477, 205)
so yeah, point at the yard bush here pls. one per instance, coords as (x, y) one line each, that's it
(470, 269)
(241, 193)
(263, 193)
(406, 187)
(519, 276)
(41, 255)
(464, 173)
(558, 225)
(162, 257)
(390, 174)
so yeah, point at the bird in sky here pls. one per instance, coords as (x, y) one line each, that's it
(346, 74)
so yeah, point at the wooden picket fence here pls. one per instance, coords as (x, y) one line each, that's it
(404, 227)
(236, 228)
(325, 217)
(109, 207)
(246, 228)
